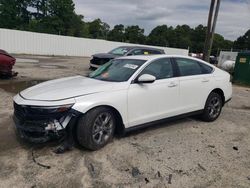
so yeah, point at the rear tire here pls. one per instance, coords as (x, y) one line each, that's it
(212, 108)
(96, 128)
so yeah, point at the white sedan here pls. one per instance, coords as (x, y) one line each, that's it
(122, 95)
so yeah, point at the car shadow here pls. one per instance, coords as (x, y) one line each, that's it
(167, 123)
(51, 145)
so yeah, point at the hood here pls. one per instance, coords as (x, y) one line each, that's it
(66, 88)
(105, 56)
(6, 59)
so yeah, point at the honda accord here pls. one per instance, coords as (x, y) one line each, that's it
(124, 94)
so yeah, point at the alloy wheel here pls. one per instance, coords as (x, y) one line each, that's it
(103, 127)
(214, 107)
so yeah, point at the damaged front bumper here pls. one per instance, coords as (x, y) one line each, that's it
(36, 125)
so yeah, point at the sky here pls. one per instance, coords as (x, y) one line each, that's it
(233, 20)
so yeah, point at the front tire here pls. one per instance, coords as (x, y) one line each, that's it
(212, 108)
(96, 128)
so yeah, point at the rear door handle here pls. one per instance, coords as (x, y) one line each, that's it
(172, 84)
(205, 80)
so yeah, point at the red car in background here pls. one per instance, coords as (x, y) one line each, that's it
(6, 64)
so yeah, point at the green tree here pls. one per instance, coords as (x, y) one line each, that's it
(243, 42)
(41, 8)
(57, 17)
(95, 29)
(182, 37)
(61, 15)
(117, 33)
(47, 16)
(163, 35)
(159, 36)
(198, 38)
(79, 27)
(220, 43)
(185, 37)
(14, 14)
(134, 34)
(98, 29)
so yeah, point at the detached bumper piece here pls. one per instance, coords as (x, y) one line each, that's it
(38, 126)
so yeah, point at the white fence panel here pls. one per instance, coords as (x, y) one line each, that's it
(23, 42)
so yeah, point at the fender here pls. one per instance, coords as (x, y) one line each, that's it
(116, 100)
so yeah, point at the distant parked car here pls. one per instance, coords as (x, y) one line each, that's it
(102, 58)
(6, 64)
(213, 60)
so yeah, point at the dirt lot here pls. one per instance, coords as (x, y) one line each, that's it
(183, 153)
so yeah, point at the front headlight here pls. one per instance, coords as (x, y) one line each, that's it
(52, 109)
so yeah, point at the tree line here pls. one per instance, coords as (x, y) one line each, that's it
(59, 17)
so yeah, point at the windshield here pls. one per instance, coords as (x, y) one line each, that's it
(119, 51)
(118, 70)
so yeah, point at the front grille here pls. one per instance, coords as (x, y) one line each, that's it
(31, 122)
(27, 113)
(19, 111)
(99, 61)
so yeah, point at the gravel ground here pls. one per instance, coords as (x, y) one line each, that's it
(183, 153)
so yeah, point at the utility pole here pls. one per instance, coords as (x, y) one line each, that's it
(211, 24)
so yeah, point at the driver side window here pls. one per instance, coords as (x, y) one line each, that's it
(161, 69)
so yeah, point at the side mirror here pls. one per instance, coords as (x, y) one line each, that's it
(146, 78)
(129, 54)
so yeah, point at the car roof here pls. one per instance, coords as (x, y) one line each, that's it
(149, 57)
(141, 47)
(153, 57)
(4, 53)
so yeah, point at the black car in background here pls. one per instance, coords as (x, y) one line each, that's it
(102, 58)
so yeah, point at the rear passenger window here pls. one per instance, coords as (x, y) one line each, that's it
(146, 52)
(188, 67)
(154, 52)
(161, 69)
(138, 52)
(206, 69)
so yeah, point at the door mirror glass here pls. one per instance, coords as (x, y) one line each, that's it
(146, 78)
